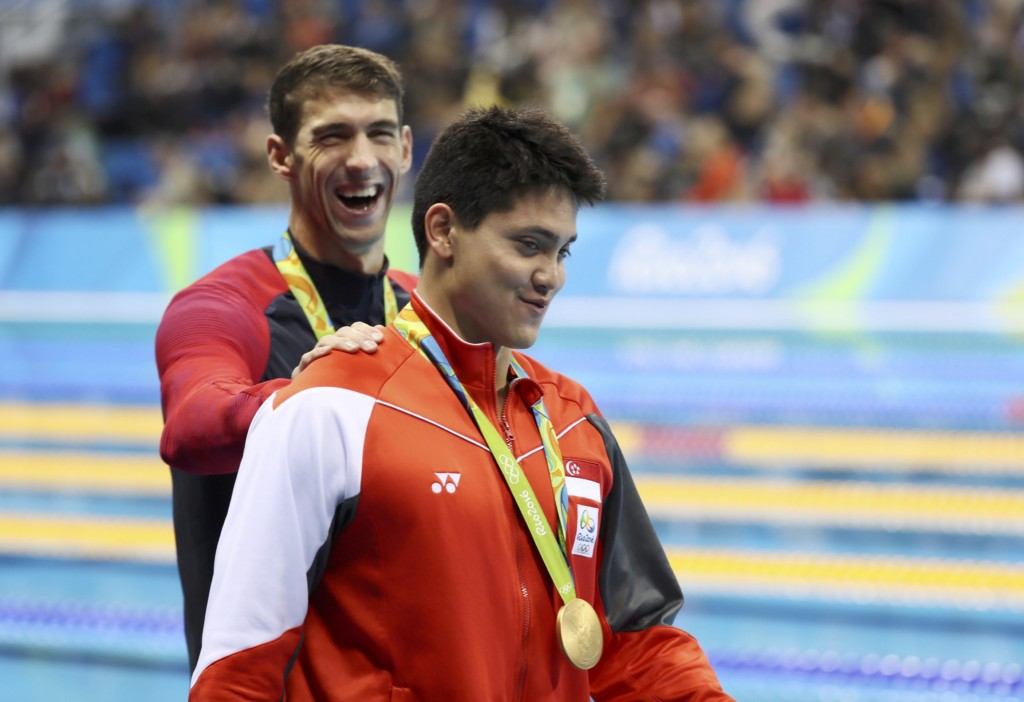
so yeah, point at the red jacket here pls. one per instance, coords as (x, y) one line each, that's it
(225, 344)
(372, 550)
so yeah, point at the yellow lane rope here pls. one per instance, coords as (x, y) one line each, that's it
(90, 538)
(89, 424)
(885, 448)
(853, 504)
(856, 578)
(946, 582)
(84, 472)
(848, 503)
(762, 447)
(830, 448)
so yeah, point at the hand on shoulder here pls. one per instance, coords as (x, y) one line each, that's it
(360, 337)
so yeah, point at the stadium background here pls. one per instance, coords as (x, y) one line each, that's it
(802, 310)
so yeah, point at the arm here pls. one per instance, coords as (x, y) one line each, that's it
(646, 657)
(298, 483)
(211, 349)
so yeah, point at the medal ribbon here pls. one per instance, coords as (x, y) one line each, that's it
(301, 285)
(552, 550)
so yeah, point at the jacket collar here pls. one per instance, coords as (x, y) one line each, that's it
(474, 364)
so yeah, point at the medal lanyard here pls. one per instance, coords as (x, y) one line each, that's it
(301, 285)
(552, 551)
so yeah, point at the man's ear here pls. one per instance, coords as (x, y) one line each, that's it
(440, 226)
(406, 149)
(280, 157)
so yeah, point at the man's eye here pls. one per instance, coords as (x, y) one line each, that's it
(564, 254)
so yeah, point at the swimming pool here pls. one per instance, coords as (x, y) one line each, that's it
(845, 514)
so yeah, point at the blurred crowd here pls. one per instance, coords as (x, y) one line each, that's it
(785, 101)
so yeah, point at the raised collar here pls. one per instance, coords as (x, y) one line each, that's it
(474, 364)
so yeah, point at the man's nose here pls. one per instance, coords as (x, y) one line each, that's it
(549, 275)
(361, 157)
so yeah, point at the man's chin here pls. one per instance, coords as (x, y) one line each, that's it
(522, 341)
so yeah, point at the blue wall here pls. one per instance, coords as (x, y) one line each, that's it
(879, 253)
(96, 281)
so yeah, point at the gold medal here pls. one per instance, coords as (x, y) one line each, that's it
(579, 633)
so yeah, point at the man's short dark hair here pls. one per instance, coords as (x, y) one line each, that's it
(488, 158)
(319, 69)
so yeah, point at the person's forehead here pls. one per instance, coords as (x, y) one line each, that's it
(554, 199)
(340, 102)
(552, 210)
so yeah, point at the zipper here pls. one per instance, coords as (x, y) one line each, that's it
(503, 417)
(524, 651)
(517, 535)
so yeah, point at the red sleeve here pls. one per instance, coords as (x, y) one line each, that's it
(253, 674)
(211, 349)
(660, 663)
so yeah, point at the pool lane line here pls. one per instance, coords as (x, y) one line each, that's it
(80, 472)
(821, 503)
(852, 504)
(828, 448)
(135, 539)
(863, 448)
(953, 583)
(135, 425)
(852, 578)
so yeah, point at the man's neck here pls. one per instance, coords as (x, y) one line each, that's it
(437, 302)
(368, 260)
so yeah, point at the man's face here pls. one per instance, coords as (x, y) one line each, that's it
(508, 270)
(349, 153)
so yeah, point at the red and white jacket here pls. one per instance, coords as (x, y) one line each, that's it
(372, 550)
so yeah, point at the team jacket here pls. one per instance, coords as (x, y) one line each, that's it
(373, 552)
(224, 345)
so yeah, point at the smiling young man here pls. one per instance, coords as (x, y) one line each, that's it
(232, 338)
(448, 519)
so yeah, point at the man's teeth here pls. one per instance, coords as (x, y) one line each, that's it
(362, 199)
(365, 192)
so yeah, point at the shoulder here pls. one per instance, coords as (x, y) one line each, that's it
(247, 281)
(364, 373)
(251, 272)
(555, 384)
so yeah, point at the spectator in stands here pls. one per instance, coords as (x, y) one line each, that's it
(899, 98)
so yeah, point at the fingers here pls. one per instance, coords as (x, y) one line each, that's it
(358, 337)
(309, 357)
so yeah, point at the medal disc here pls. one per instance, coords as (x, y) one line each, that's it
(579, 633)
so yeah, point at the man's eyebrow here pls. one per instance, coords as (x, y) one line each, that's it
(547, 234)
(389, 124)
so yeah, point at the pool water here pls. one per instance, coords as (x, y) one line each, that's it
(845, 514)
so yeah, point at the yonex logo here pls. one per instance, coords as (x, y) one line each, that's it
(449, 482)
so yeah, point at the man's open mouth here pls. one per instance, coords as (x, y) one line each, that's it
(362, 199)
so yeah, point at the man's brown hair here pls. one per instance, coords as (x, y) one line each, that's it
(325, 67)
